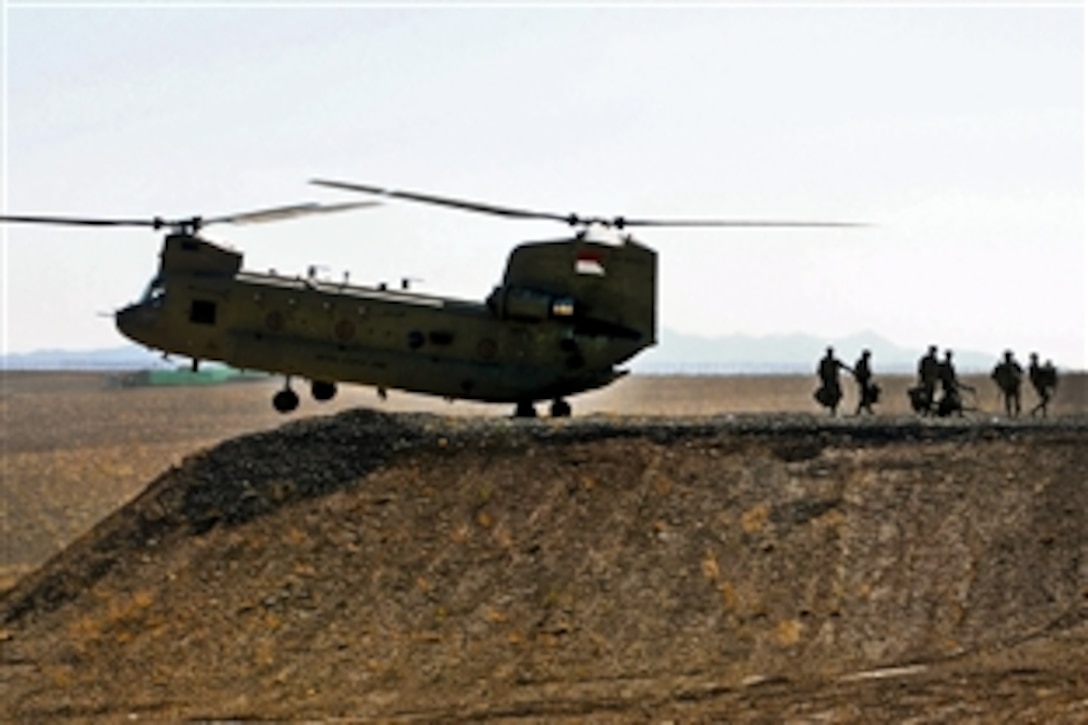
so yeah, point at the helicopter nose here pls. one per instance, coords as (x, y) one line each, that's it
(134, 322)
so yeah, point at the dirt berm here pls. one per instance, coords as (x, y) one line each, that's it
(741, 568)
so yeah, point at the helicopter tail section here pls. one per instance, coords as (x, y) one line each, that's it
(606, 290)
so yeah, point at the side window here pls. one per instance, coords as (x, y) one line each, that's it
(202, 312)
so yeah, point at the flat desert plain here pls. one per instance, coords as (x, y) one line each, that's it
(683, 548)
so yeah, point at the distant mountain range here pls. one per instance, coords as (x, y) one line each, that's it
(125, 357)
(674, 353)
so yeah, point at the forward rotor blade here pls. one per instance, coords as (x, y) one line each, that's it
(280, 213)
(77, 221)
(445, 201)
(193, 224)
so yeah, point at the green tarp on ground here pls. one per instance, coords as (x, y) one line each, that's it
(185, 376)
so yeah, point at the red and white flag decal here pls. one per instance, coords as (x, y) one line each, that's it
(589, 261)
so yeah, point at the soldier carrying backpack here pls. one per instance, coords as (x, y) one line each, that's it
(830, 391)
(1008, 375)
(1044, 378)
(868, 391)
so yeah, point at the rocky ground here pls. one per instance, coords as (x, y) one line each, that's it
(748, 568)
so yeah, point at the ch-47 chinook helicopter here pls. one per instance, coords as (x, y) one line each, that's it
(566, 314)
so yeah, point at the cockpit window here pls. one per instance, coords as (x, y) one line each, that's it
(154, 293)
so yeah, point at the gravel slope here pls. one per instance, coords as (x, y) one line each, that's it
(740, 567)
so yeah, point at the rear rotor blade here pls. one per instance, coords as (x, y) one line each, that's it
(445, 201)
(621, 222)
(571, 219)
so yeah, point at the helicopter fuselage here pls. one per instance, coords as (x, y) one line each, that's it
(566, 314)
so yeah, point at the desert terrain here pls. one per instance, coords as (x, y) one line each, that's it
(684, 548)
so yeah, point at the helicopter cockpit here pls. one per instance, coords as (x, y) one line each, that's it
(154, 292)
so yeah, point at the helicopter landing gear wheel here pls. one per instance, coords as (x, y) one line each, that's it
(560, 408)
(322, 391)
(285, 401)
(525, 409)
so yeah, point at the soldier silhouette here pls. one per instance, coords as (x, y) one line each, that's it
(868, 391)
(1008, 375)
(829, 393)
(922, 395)
(951, 400)
(1044, 378)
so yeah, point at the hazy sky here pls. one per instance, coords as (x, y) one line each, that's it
(957, 131)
